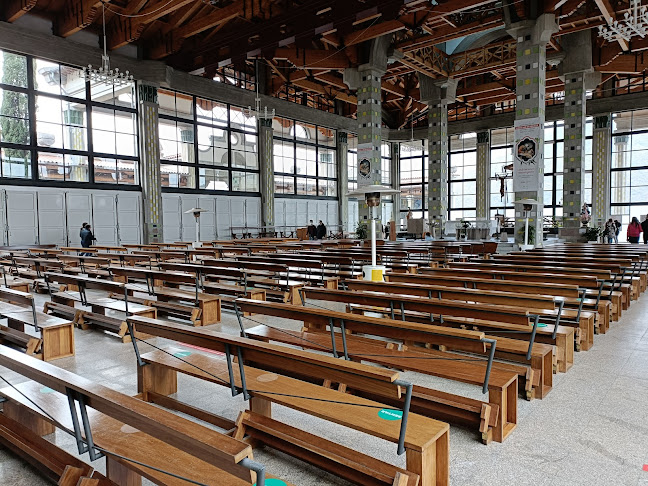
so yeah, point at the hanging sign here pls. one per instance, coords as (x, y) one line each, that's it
(364, 164)
(528, 155)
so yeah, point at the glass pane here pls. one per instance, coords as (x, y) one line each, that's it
(14, 117)
(245, 181)
(56, 79)
(213, 179)
(13, 69)
(240, 121)
(15, 163)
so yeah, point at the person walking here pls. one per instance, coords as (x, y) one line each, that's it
(311, 230)
(634, 230)
(644, 229)
(617, 223)
(321, 230)
(610, 231)
(87, 238)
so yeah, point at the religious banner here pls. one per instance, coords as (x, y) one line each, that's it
(365, 151)
(528, 155)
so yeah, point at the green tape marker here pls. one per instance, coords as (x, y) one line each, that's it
(182, 354)
(47, 389)
(542, 325)
(274, 482)
(389, 414)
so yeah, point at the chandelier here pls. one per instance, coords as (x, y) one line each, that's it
(257, 112)
(104, 74)
(635, 23)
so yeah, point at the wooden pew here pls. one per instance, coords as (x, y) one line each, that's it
(572, 294)
(57, 335)
(122, 427)
(502, 385)
(424, 441)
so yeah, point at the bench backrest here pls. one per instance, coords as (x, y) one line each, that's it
(274, 356)
(12, 295)
(86, 282)
(545, 288)
(455, 293)
(580, 280)
(375, 326)
(498, 313)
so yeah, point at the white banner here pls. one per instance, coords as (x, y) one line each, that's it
(528, 158)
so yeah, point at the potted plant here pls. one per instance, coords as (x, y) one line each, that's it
(593, 233)
(463, 231)
(361, 231)
(532, 232)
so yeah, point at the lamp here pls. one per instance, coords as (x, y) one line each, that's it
(372, 195)
(196, 212)
(527, 205)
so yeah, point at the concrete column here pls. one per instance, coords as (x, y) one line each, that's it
(579, 76)
(437, 93)
(483, 175)
(532, 38)
(266, 175)
(367, 81)
(149, 142)
(601, 165)
(395, 179)
(342, 157)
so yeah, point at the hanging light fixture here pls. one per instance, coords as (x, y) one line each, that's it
(257, 112)
(632, 24)
(104, 74)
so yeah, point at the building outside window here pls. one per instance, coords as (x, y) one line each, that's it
(629, 181)
(462, 180)
(206, 145)
(304, 159)
(413, 178)
(55, 126)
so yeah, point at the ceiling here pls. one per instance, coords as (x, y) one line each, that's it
(300, 48)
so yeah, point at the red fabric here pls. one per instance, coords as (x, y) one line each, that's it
(634, 230)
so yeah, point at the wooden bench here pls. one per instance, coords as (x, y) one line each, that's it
(123, 428)
(501, 386)
(57, 335)
(424, 441)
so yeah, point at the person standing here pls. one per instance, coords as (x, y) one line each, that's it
(321, 230)
(617, 223)
(311, 230)
(610, 231)
(409, 214)
(87, 238)
(634, 230)
(644, 229)
(81, 232)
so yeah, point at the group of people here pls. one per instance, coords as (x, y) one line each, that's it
(635, 229)
(316, 232)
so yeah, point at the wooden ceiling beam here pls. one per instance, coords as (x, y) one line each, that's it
(15, 9)
(76, 15)
(124, 30)
(172, 41)
(313, 58)
(323, 90)
(378, 30)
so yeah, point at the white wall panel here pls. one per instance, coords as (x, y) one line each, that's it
(280, 212)
(3, 218)
(52, 219)
(353, 216)
(302, 215)
(207, 219)
(253, 212)
(223, 218)
(129, 210)
(187, 202)
(104, 217)
(171, 220)
(291, 212)
(22, 217)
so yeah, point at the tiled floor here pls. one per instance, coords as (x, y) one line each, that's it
(592, 429)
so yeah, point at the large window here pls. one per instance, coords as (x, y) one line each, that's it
(554, 150)
(206, 145)
(413, 178)
(629, 182)
(304, 159)
(462, 180)
(56, 126)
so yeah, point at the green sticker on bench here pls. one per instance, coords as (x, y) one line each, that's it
(389, 414)
(542, 325)
(274, 482)
(47, 389)
(182, 354)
